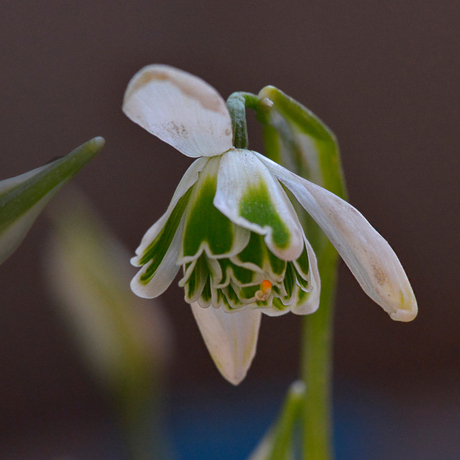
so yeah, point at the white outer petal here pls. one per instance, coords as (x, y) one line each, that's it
(239, 169)
(165, 273)
(180, 109)
(369, 257)
(314, 280)
(188, 179)
(231, 338)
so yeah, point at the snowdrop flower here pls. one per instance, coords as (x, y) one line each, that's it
(233, 230)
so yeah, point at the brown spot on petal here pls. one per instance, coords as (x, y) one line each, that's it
(175, 130)
(379, 274)
(147, 77)
(198, 90)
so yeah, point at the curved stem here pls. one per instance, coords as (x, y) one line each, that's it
(236, 104)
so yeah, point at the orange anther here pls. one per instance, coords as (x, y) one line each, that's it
(265, 290)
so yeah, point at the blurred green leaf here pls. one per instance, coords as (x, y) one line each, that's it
(278, 443)
(23, 197)
(125, 340)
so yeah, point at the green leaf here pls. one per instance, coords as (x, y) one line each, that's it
(22, 198)
(278, 442)
(298, 140)
(124, 340)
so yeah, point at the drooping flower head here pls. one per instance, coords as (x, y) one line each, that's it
(233, 230)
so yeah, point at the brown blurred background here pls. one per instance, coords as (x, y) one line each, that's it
(382, 75)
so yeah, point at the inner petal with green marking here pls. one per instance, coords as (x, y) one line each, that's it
(230, 267)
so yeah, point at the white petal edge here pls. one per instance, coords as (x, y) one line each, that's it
(314, 280)
(180, 109)
(165, 273)
(240, 169)
(187, 181)
(241, 235)
(368, 256)
(231, 338)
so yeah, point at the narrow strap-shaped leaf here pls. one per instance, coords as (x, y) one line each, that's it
(22, 198)
(278, 443)
(315, 150)
(298, 140)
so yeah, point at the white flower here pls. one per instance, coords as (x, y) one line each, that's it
(234, 232)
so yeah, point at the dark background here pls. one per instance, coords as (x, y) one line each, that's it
(382, 75)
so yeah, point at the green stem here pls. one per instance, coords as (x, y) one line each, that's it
(316, 365)
(236, 105)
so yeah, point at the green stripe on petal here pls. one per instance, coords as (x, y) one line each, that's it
(257, 207)
(254, 252)
(159, 246)
(250, 196)
(278, 266)
(290, 280)
(197, 280)
(257, 257)
(232, 297)
(205, 224)
(206, 228)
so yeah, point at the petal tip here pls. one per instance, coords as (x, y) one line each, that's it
(235, 378)
(404, 316)
(139, 289)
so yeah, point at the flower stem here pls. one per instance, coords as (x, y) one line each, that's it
(316, 366)
(236, 105)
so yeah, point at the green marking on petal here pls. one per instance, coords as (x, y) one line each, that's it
(159, 246)
(302, 297)
(302, 264)
(197, 280)
(254, 252)
(249, 292)
(243, 275)
(206, 294)
(205, 223)
(289, 280)
(304, 284)
(232, 297)
(257, 207)
(278, 304)
(278, 265)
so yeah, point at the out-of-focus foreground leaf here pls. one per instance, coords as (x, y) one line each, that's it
(23, 197)
(125, 340)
